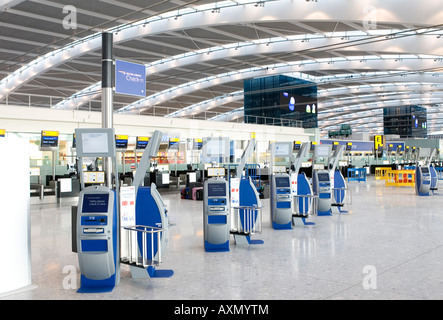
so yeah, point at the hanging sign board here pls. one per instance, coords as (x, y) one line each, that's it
(130, 78)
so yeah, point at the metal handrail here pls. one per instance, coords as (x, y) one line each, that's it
(252, 220)
(347, 196)
(312, 204)
(139, 256)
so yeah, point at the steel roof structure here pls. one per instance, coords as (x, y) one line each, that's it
(364, 55)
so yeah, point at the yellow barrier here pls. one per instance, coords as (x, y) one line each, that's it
(381, 173)
(400, 178)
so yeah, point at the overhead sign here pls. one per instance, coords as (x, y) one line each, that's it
(121, 141)
(130, 78)
(142, 142)
(49, 139)
(378, 141)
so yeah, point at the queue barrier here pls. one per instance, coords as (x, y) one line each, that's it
(357, 174)
(399, 178)
(381, 173)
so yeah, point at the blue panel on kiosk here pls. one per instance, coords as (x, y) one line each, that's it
(215, 219)
(96, 286)
(94, 245)
(339, 185)
(303, 189)
(248, 198)
(147, 214)
(286, 226)
(210, 247)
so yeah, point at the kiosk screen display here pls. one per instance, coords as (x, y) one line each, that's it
(95, 203)
(216, 190)
(324, 177)
(282, 182)
(424, 170)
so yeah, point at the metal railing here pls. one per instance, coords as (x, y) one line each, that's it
(247, 220)
(273, 121)
(141, 245)
(308, 201)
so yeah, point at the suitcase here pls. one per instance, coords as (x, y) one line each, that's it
(199, 194)
(194, 192)
(182, 193)
(188, 193)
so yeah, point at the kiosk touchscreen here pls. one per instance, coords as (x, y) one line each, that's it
(97, 243)
(281, 201)
(322, 187)
(216, 214)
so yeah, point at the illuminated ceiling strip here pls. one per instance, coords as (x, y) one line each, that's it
(291, 43)
(186, 88)
(231, 12)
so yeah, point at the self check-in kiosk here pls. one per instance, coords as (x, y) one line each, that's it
(281, 197)
(321, 182)
(97, 240)
(216, 212)
(422, 180)
(97, 227)
(281, 201)
(423, 172)
(321, 185)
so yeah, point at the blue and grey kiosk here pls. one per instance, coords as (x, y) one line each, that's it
(280, 191)
(423, 172)
(216, 211)
(97, 218)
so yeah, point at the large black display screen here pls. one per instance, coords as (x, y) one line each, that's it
(95, 203)
(282, 182)
(216, 190)
(324, 177)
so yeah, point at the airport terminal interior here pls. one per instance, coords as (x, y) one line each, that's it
(221, 150)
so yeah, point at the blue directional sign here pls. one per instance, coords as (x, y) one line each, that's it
(130, 78)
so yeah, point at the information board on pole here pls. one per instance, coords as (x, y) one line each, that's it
(130, 78)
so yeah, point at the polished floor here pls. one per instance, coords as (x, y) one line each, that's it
(388, 245)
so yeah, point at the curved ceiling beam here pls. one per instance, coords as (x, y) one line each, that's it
(423, 45)
(409, 65)
(235, 13)
(207, 105)
(367, 110)
(328, 97)
(346, 106)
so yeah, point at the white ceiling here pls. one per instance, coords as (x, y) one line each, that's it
(364, 55)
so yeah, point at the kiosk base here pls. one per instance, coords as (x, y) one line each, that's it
(285, 226)
(210, 247)
(149, 272)
(241, 239)
(336, 208)
(96, 286)
(300, 219)
(324, 213)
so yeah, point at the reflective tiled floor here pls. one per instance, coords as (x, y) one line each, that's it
(388, 245)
